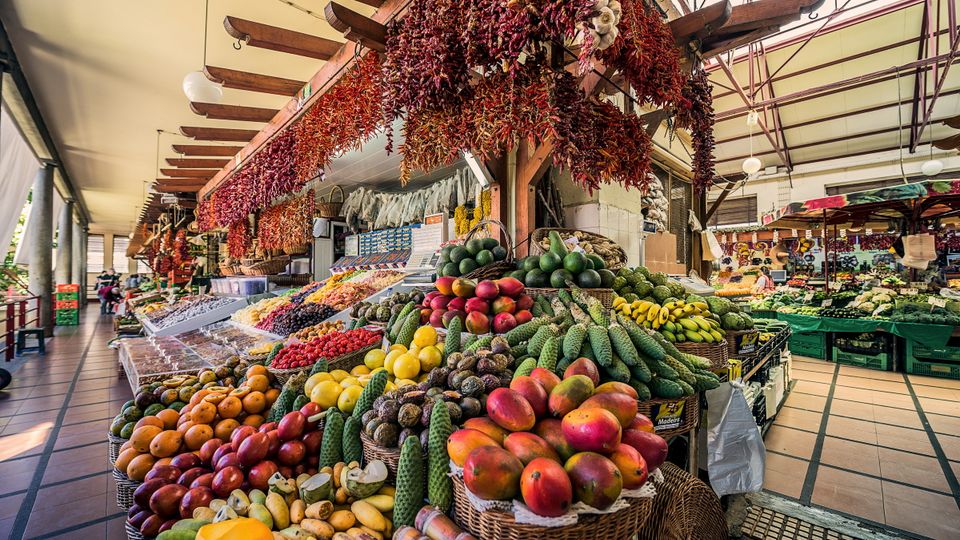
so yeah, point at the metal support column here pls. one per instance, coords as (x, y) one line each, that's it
(76, 272)
(81, 241)
(64, 273)
(41, 250)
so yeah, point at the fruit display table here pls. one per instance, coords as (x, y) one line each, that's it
(193, 318)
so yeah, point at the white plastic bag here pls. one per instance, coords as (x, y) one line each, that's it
(736, 455)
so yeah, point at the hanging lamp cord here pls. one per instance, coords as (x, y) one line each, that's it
(206, 19)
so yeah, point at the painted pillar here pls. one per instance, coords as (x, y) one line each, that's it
(41, 251)
(64, 272)
(76, 272)
(80, 261)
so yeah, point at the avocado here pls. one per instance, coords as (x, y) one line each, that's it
(458, 254)
(531, 263)
(557, 246)
(450, 269)
(550, 261)
(445, 252)
(490, 243)
(499, 253)
(467, 266)
(589, 279)
(559, 278)
(598, 263)
(518, 274)
(574, 262)
(474, 246)
(484, 257)
(127, 430)
(606, 278)
(535, 278)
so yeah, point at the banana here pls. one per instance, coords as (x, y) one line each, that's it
(689, 309)
(664, 314)
(671, 337)
(688, 324)
(676, 312)
(707, 336)
(670, 305)
(716, 335)
(652, 314)
(618, 301)
(693, 336)
(702, 323)
(670, 326)
(702, 306)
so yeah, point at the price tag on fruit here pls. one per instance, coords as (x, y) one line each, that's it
(936, 301)
(908, 292)
(919, 285)
(808, 297)
(808, 233)
(827, 303)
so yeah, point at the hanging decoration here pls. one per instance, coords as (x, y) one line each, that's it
(697, 117)
(287, 225)
(239, 239)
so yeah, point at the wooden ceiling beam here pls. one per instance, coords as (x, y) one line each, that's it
(160, 188)
(279, 39)
(372, 3)
(701, 23)
(197, 163)
(217, 111)
(189, 173)
(253, 82)
(355, 27)
(218, 134)
(206, 150)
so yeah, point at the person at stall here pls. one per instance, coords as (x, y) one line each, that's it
(103, 280)
(109, 295)
(764, 283)
(133, 281)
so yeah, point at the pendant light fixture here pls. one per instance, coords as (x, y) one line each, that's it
(752, 165)
(196, 85)
(931, 167)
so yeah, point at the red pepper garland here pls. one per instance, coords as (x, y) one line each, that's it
(287, 224)
(238, 239)
(697, 116)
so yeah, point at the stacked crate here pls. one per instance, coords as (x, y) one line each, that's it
(872, 350)
(944, 361)
(67, 305)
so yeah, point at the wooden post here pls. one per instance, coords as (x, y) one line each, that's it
(531, 165)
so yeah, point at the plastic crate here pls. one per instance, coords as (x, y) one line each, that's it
(64, 305)
(943, 369)
(816, 339)
(68, 296)
(872, 361)
(67, 318)
(68, 287)
(810, 351)
(919, 350)
(868, 343)
(764, 314)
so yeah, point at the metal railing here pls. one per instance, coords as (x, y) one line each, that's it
(14, 312)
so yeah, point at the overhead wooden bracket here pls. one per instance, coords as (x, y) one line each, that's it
(355, 27)
(206, 150)
(189, 173)
(170, 189)
(372, 3)
(218, 134)
(279, 39)
(197, 163)
(751, 22)
(701, 23)
(253, 82)
(216, 111)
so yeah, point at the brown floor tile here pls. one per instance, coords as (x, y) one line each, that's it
(9, 506)
(791, 442)
(853, 371)
(6, 525)
(47, 403)
(850, 455)
(116, 530)
(848, 492)
(923, 471)
(97, 530)
(66, 458)
(872, 384)
(813, 376)
(852, 409)
(807, 387)
(16, 482)
(53, 518)
(25, 443)
(784, 475)
(853, 394)
(886, 399)
(955, 465)
(95, 485)
(939, 406)
(911, 440)
(805, 401)
(799, 419)
(949, 425)
(91, 465)
(951, 446)
(897, 417)
(856, 430)
(950, 394)
(812, 364)
(934, 381)
(921, 512)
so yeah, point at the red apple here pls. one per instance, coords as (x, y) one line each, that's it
(477, 304)
(478, 323)
(291, 453)
(523, 316)
(487, 290)
(503, 323)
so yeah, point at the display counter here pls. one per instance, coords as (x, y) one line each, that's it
(936, 335)
(189, 315)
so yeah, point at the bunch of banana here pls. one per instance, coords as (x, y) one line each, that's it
(696, 328)
(765, 337)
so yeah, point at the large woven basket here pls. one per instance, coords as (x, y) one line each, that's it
(684, 508)
(327, 207)
(689, 417)
(125, 489)
(389, 456)
(605, 296)
(264, 268)
(717, 353)
(113, 447)
(614, 262)
(498, 269)
(229, 269)
(620, 525)
(352, 360)
(283, 375)
(133, 533)
(732, 340)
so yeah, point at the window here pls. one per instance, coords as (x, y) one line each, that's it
(120, 263)
(95, 253)
(739, 211)
(843, 189)
(142, 267)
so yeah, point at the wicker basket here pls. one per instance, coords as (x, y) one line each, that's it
(619, 260)
(689, 417)
(125, 489)
(605, 296)
(717, 353)
(283, 375)
(501, 525)
(732, 340)
(113, 447)
(299, 250)
(133, 533)
(345, 362)
(684, 507)
(499, 268)
(328, 208)
(264, 268)
(389, 456)
(229, 269)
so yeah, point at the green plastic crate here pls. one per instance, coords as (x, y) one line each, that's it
(877, 361)
(764, 314)
(930, 368)
(919, 350)
(810, 351)
(68, 296)
(67, 320)
(812, 339)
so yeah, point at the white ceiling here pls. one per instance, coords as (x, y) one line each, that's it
(107, 73)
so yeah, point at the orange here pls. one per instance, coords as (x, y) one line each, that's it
(230, 407)
(225, 428)
(272, 395)
(254, 420)
(166, 444)
(204, 412)
(149, 421)
(169, 417)
(259, 383)
(197, 435)
(256, 369)
(254, 402)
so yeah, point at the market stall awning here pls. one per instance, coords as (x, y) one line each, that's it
(929, 199)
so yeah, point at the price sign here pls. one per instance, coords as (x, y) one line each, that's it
(808, 233)
(753, 238)
(936, 301)
(908, 292)
(868, 231)
(776, 236)
(827, 303)
(843, 233)
(808, 297)
(793, 233)
(723, 238)
(919, 285)
(734, 237)
(836, 285)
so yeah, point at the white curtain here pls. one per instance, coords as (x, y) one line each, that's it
(18, 167)
(22, 256)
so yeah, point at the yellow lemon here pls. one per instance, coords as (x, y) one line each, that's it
(314, 380)
(391, 358)
(440, 346)
(424, 336)
(359, 370)
(407, 366)
(347, 382)
(430, 357)
(389, 386)
(374, 358)
(348, 399)
(339, 374)
(326, 393)
(423, 377)
(398, 347)
(400, 383)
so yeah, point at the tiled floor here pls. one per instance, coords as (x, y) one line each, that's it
(878, 446)
(55, 477)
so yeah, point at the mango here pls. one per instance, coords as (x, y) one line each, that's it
(260, 513)
(569, 394)
(368, 515)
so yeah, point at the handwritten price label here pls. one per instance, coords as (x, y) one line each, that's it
(908, 292)
(827, 303)
(808, 297)
(843, 233)
(937, 301)
(919, 285)
(808, 233)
